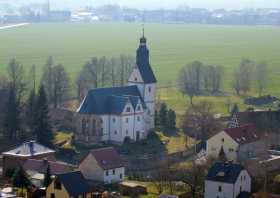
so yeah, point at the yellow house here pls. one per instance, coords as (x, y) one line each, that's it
(69, 185)
(237, 144)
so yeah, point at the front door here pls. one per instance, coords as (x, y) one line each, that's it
(137, 136)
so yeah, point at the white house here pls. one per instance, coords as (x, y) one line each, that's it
(118, 113)
(236, 144)
(227, 180)
(103, 165)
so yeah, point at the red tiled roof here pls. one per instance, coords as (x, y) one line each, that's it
(107, 158)
(41, 166)
(244, 134)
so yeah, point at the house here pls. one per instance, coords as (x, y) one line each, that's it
(36, 169)
(28, 150)
(239, 143)
(118, 113)
(227, 180)
(69, 185)
(103, 165)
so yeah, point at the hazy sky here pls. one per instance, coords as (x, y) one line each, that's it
(149, 4)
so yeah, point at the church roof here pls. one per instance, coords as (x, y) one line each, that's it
(143, 62)
(224, 172)
(110, 100)
(147, 74)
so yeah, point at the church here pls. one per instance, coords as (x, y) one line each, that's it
(116, 114)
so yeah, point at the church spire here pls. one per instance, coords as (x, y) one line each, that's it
(142, 57)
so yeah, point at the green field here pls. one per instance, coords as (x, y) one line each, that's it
(171, 47)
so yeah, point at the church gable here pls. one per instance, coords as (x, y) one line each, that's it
(135, 76)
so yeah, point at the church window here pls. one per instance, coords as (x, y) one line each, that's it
(114, 120)
(128, 109)
(139, 108)
(101, 121)
(84, 126)
(138, 118)
(116, 132)
(150, 89)
(126, 120)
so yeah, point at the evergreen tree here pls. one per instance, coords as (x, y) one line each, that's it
(31, 111)
(171, 119)
(20, 179)
(163, 114)
(12, 119)
(47, 177)
(42, 125)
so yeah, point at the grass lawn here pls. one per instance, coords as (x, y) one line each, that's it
(171, 47)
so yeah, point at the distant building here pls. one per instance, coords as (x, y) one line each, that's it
(69, 185)
(119, 113)
(227, 180)
(235, 144)
(103, 165)
(29, 150)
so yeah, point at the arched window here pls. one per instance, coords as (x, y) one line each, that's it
(84, 123)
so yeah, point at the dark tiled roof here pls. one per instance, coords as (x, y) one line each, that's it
(109, 100)
(27, 149)
(143, 63)
(107, 158)
(147, 74)
(244, 195)
(244, 134)
(74, 183)
(224, 172)
(40, 166)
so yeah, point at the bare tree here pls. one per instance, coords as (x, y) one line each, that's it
(186, 82)
(199, 121)
(16, 78)
(61, 85)
(261, 77)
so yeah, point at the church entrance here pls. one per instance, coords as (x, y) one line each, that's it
(137, 136)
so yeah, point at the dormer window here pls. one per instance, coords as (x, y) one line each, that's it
(128, 109)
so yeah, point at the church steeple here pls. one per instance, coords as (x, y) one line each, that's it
(142, 57)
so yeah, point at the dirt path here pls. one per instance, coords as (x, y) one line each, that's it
(13, 26)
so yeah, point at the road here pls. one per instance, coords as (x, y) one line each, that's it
(13, 26)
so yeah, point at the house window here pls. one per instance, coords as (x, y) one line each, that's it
(121, 176)
(126, 120)
(57, 185)
(223, 140)
(52, 195)
(230, 149)
(128, 109)
(138, 118)
(107, 173)
(220, 188)
(114, 172)
(101, 121)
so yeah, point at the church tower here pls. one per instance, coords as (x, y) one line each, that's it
(143, 77)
